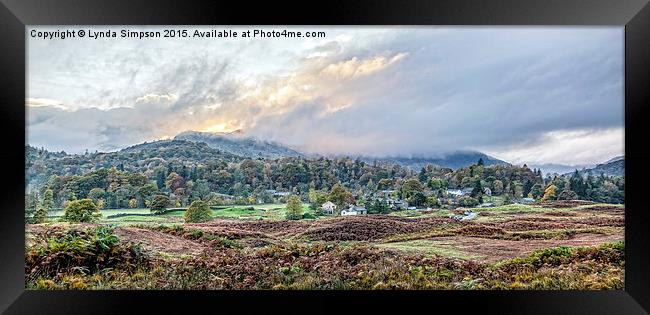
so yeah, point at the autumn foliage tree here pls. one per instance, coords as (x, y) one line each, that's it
(550, 193)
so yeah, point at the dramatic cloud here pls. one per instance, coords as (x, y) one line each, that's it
(536, 95)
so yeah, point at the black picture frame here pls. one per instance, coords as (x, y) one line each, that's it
(633, 14)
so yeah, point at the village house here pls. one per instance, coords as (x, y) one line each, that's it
(397, 204)
(328, 207)
(354, 210)
(527, 200)
(455, 192)
(487, 191)
(278, 193)
(225, 197)
(385, 193)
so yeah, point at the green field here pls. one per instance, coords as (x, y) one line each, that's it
(175, 215)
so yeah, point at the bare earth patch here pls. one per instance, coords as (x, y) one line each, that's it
(159, 242)
(492, 250)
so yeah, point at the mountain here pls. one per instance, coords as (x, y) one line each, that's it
(618, 158)
(453, 160)
(613, 167)
(239, 144)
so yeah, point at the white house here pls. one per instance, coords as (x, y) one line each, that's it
(328, 207)
(455, 192)
(487, 191)
(354, 210)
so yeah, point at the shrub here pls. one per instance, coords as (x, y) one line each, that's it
(198, 212)
(159, 204)
(82, 210)
(86, 250)
(308, 215)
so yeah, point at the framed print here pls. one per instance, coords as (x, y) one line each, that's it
(351, 156)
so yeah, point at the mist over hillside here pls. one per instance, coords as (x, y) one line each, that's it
(239, 144)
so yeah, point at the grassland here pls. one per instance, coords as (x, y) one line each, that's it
(540, 246)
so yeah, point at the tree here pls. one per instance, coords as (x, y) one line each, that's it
(497, 187)
(411, 187)
(435, 184)
(294, 208)
(96, 194)
(423, 175)
(31, 201)
(316, 205)
(480, 162)
(477, 191)
(48, 200)
(340, 196)
(549, 193)
(567, 195)
(384, 183)
(576, 183)
(40, 215)
(417, 199)
(198, 212)
(81, 210)
(174, 181)
(432, 201)
(467, 201)
(518, 190)
(147, 190)
(159, 204)
(507, 198)
(378, 206)
(536, 191)
(133, 203)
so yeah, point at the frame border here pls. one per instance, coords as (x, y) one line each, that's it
(634, 14)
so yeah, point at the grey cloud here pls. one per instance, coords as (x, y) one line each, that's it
(460, 88)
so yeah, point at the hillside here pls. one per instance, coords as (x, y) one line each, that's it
(613, 167)
(238, 144)
(179, 149)
(40, 164)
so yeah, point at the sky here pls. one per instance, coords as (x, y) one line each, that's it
(533, 95)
